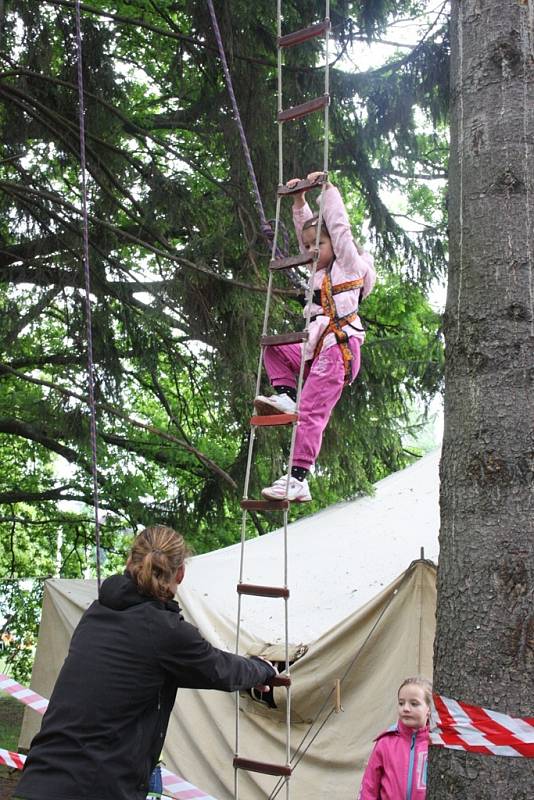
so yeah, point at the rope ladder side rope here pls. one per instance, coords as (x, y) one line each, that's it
(87, 284)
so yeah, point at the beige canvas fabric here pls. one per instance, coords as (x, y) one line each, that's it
(354, 615)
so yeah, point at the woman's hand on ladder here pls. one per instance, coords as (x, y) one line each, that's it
(266, 688)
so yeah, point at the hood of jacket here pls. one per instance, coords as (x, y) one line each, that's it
(120, 592)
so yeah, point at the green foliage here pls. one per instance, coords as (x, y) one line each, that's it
(179, 268)
(11, 712)
(20, 614)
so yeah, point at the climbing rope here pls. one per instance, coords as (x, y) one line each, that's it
(265, 224)
(87, 280)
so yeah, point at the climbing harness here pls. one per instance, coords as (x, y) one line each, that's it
(337, 324)
(266, 228)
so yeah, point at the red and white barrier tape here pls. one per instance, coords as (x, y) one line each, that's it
(461, 726)
(13, 760)
(25, 696)
(172, 784)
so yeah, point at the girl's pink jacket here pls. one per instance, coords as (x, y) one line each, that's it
(348, 265)
(397, 767)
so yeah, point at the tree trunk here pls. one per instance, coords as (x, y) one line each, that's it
(484, 651)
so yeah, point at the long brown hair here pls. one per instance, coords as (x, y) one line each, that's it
(156, 556)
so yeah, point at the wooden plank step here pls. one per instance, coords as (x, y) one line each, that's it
(290, 261)
(297, 37)
(284, 770)
(262, 591)
(264, 505)
(301, 186)
(267, 420)
(302, 110)
(285, 338)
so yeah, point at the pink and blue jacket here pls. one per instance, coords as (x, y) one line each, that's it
(397, 767)
(348, 265)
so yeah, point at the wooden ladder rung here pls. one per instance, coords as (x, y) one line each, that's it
(297, 37)
(268, 420)
(281, 680)
(262, 591)
(296, 112)
(285, 338)
(301, 186)
(290, 261)
(265, 505)
(262, 766)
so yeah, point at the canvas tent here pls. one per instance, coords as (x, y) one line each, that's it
(360, 608)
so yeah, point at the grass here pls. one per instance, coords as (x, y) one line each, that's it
(11, 712)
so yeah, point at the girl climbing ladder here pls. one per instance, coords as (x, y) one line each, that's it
(344, 275)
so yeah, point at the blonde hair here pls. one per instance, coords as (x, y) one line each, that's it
(156, 556)
(423, 683)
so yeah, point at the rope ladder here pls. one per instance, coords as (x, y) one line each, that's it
(284, 116)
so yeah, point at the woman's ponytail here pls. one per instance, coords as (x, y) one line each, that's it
(156, 556)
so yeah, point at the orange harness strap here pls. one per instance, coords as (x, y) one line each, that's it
(347, 286)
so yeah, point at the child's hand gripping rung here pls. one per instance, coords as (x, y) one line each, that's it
(302, 186)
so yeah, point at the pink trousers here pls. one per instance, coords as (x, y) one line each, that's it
(323, 384)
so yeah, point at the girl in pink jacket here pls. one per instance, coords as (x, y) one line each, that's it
(344, 275)
(397, 767)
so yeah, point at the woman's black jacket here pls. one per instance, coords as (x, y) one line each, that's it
(103, 731)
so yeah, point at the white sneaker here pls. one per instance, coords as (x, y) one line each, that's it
(297, 491)
(276, 404)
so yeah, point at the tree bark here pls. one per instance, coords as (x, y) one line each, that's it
(484, 650)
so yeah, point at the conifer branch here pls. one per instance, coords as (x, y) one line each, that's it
(115, 412)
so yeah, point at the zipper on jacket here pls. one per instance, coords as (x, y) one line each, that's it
(411, 766)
